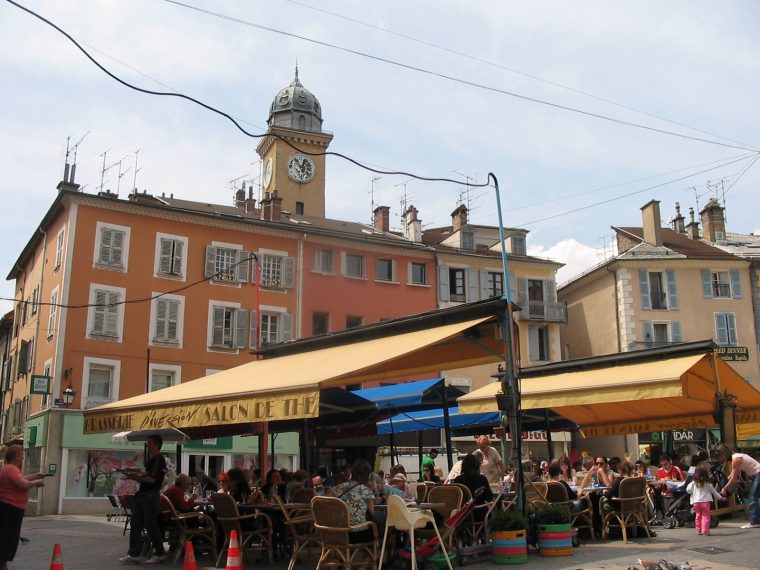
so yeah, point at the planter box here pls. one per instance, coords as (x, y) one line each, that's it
(555, 539)
(509, 547)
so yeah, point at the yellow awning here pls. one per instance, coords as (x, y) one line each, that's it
(288, 387)
(675, 393)
(745, 431)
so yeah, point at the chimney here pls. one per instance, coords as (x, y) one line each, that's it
(250, 206)
(412, 225)
(276, 208)
(692, 228)
(382, 218)
(69, 186)
(678, 221)
(713, 222)
(266, 207)
(650, 214)
(240, 199)
(459, 217)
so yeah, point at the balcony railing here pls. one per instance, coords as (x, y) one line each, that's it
(552, 312)
(659, 300)
(722, 290)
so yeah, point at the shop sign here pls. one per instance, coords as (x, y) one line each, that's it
(733, 353)
(679, 436)
(40, 384)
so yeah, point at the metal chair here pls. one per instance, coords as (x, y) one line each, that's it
(300, 522)
(250, 536)
(116, 511)
(195, 526)
(333, 525)
(127, 503)
(629, 509)
(472, 529)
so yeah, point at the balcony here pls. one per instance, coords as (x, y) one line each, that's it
(659, 300)
(721, 290)
(547, 311)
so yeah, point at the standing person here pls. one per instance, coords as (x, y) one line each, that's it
(145, 511)
(743, 463)
(429, 459)
(491, 464)
(702, 491)
(14, 494)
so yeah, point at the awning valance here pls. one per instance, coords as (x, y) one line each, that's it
(433, 419)
(673, 393)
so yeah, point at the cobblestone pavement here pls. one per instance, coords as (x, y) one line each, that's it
(92, 543)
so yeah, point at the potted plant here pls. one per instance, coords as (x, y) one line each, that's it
(555, 531)
(508, 537)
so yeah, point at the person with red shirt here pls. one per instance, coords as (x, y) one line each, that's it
(668, 472)
(176, 494)
(14, 494)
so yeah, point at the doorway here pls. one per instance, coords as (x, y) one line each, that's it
(209, 463)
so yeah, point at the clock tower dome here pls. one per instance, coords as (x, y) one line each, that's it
(292, 163)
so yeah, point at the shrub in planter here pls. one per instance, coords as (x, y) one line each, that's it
(555, 533)
(508, 537)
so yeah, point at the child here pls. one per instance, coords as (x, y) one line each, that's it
(702, 492)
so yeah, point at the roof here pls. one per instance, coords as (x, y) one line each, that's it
(741, 245)
(678, 243)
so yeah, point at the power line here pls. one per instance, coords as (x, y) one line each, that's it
(742, 173)
(451, 77)
(228, 116)
(509, 69)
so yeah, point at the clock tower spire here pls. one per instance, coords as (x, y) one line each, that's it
(292, 153)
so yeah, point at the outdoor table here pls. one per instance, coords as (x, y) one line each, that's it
(415, 506)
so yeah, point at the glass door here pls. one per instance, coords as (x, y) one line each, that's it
(209, 463)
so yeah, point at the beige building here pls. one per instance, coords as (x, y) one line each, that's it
(663, 286)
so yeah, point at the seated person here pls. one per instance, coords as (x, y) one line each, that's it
(273, 486)
(599, 475)
(239, 488)
(398, 486)
(206, 482)
(555, 474)
(359, 498)
(567, 473)
(429, 476)
(668, 472)
(176, 494)
(626, 471)
(474, 480)
(224, 483)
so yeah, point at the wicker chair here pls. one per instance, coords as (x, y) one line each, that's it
(556, 494)
(333, 525)
(452, 497)
(202, 533)
(127, 503)
(422, 491)
(535, 495)
(302, 495)
(629, 509)
(257, 538)
(300, 523)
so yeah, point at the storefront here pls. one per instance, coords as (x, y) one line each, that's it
(683, 443)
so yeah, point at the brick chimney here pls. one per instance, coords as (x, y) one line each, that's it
(692, 228)
(678, 221)
(459, 217)
(412, 225)
(276, 207)
(240, 199)
(713, 222)
(382, 218)
(650, 215)
(266, 207)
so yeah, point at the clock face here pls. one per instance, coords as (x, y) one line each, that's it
(268, 173)
(301, 168)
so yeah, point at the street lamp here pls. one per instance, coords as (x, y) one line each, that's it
(68, 396)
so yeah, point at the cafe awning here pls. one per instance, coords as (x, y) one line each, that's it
(410, 395)
(433, 419)
(287, 387)
(664, 394)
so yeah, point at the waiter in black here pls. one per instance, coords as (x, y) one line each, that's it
(145, 511)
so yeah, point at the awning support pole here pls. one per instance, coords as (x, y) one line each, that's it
(547, 426)
(306, 446)
(178, 463)
(264, 449)
(446, 424)
(419, 453)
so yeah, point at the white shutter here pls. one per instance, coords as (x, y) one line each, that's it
(533, 344)
(99, 313)
(443, 283)
(484, 293)
(675, 331)
(721, 329)
(217, 326)
(243, 261)
(172, 318)
(472, 285)
(287, 327)
(736, 284)
(53, 313)
(512, 287)
(210, 261)
(104, 255)
(523, 300)
(165, 256)
(731, 325)
(241, 328)
(254, 332)
(179, 252)
(343, 263)
(112, 314)
(288, 272)
(117, 247)
(161, 313)
(706, 283)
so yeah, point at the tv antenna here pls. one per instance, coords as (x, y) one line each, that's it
(121, 174)
(465, 196)
(404, 200)
(105, 169)
(372, 198)
(134, 178)
(70, 169)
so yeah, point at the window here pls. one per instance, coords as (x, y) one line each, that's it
(59, 250)
(100, 381)
(22, 361)
(277, 271)
(495, 284)
(35, 299)
(107, 313)
(725, 284)
(467, 239)
(418, 273)
(53, 313)
(299, 208)
(227, 263)
(517, 245)
(270, 328)
(163, 376)
(353, 265)
(170, 256)
(166, 319)
(538, 343)
(224, 262)
(323, 261)
(385, 270)
(320, 323)
(536, 298)
(111, 246)
(457, 284)
(725, 329)
(721, 285)
(353, 387)
(661, 333)
(353, 322)
(228, 327)
(658, 290)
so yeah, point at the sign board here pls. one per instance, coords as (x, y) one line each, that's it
(209, 441)
(733, 353)
(59, 402)
(52, 468)
(40, 384)
(678, 436)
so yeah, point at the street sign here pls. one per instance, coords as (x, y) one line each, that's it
(733, 353)
(40, 384)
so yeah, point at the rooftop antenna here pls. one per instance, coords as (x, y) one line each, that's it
(134, 178)
(465, 196)
(404, 201)
(372, 198)
(121, 174)
(70, 169)
(105, 169)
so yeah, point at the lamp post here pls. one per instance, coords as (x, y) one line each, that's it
(68, 396)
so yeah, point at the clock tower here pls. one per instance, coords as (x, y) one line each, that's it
(290, 153)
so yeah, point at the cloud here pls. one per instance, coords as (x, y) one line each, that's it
(577, 256)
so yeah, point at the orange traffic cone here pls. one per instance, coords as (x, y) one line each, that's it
(190, 563)
(56, 563)
(233, 553)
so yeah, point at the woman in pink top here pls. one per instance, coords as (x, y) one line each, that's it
(14, 494)
(743, 463)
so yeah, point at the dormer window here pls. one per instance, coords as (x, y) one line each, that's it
(467, 239)
(516, 245)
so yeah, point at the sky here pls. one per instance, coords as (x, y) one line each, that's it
(687, 67)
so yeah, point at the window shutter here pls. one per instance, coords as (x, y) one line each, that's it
(22, 358)
(648, 331)
(721, 329)
(472, 285)
(112, 314)
(161, 313)
(172, 319)
(551, 290)
(675, 331)
(99, 313)
(443, 282)
(484, 293)
(287, 327)
(317, 260)
(210, 261)
(217, 330)
(241, 328)
(288, 272)
(706, 283)
(736, 284)
(255, 268)
(644, 290)
(253, 335)
(117, 248)
(165, 256)
(512, 286)
(523, 293)
(394, 271)
(343, 262)
(243, 261)
(533, 344)
(179, 251)
(104, 256)
(731, 325)
(672, 293)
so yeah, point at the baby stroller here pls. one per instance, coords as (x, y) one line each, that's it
(679, 513)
